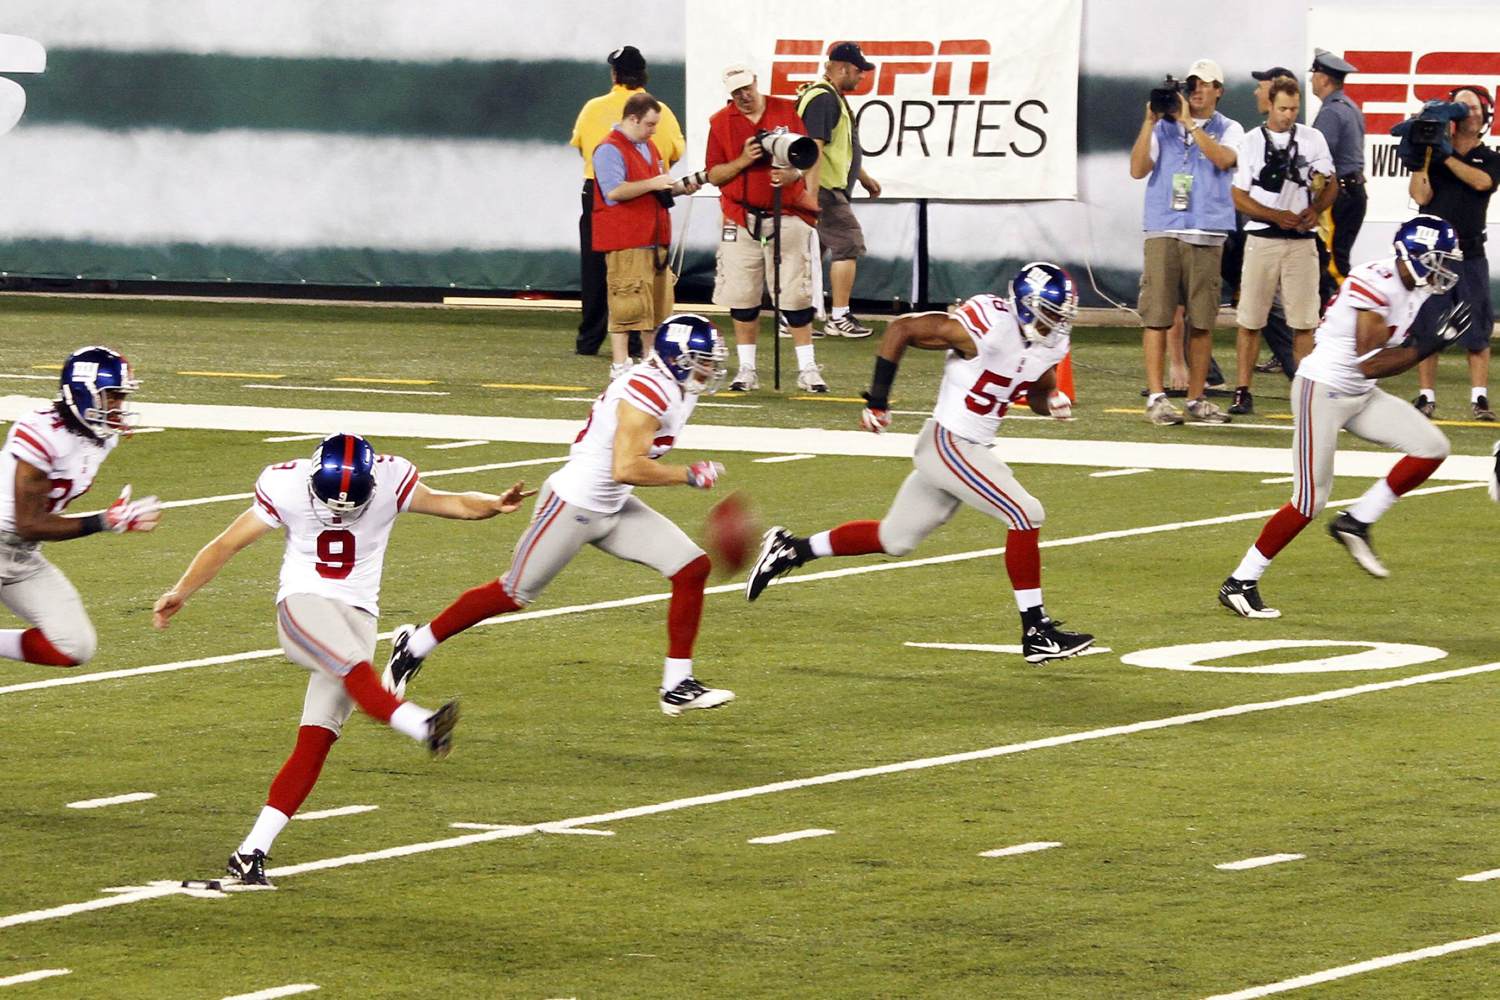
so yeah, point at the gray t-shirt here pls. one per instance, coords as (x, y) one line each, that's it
(821, 117)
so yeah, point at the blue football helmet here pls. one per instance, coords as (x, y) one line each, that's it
(342, 479)
(1045, 302)
(1428, 245)
(92, 391)
(692, 349)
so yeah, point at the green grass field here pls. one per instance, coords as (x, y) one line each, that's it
(1389, 792)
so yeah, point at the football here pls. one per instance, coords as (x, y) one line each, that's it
(730, 533)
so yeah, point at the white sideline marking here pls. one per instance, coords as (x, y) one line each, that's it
(725, 588)
(1248, 863)
(456, 444)
(1277, 480)
(294, 437)
(713, 798)
(37, 378)
(341, 388)
(716, 406)
(340, 811)
(781, 458)
(1110, 473)
(113, 800)
(782, 838)
(1493, 873)
(1369, 965)
(538, 828)
(31, 977)
(1035, 845)
(276, 991)
(984, 647)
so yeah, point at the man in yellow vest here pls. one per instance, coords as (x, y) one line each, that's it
(627, 70)
(829, 122)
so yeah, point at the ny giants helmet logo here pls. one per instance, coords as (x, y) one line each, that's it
(1389, 82)
(1426, 235)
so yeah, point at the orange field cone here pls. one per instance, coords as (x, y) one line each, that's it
(1064, 381)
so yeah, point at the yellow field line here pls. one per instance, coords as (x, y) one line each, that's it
(50, 368)
(830, 399)
(541, 388)
(232, 374)
(387, 381)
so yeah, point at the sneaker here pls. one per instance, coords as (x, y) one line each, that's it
(846, 326)
(616, 370)
(690, 695)
(1243, 402)
(1425, 406)
(780, 553)
(402, 666)
(1482, 410)
(1204, 412)
(249, 869)
(745, 380)
(1271, 367)
(440, 729)
(1045, 641)
(1162, 413)
(1354, 535)
(810, 379)
(1243, 598)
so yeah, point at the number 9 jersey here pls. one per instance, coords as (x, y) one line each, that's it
(977, 391)
(326, 555)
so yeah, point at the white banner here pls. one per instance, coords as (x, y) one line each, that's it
(954, 109)
(1404, 58)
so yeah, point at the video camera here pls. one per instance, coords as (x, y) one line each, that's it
(787, 149)
(1164, 98)
(1425, 131)
(1280, 166)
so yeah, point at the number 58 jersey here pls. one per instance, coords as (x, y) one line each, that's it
(977, 391)
(327, 556)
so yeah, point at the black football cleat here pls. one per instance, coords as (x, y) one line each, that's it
(249, 869)
(440, 729)
(1354, 535)
(1046, 641)
(402, 665)
(780, 553)
(1243, 598)
(690, 694)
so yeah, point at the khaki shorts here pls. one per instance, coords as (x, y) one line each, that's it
(742, 266)
(1291, 266)
(838, 229)
(329, 638)
(640, 296)
(1180, 274)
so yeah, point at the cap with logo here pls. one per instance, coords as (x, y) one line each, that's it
(627, 59)
(1272, 73)
(1326, 62)
(1207, 70)
(737, 75)
(849, 52)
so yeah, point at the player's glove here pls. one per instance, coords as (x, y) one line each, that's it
(1450, 326)
(703, 475)
(126, 514)
(877, 414)
(1059, 405)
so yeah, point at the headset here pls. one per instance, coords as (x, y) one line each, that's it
(1486, 102)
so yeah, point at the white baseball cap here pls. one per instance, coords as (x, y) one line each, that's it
(1206, 69)
(737, 75)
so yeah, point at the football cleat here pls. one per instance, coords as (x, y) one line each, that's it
(1243, 598)
(690, 694)
(1045, 641)
(402, 665)
(810, 379)
(780, 553)
(1354, 535)
(249, 869)
(440, 729)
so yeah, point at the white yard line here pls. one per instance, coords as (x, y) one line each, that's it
(113, 800)
(1261, 862)
(1369, 965)
(1111, 473)
(1488, 876)
(31, 977)
(293, 437)
(456, 444)
(343, 388)
(774, 459)
(1277, 480)
(784, 838)
(276, 991)
(330, 813)
(985, 647)
(1031, 848)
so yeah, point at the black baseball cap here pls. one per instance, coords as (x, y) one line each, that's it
(1272, 73)
(627, 59)
(849, 52)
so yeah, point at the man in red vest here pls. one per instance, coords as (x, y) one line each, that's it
(632, 227)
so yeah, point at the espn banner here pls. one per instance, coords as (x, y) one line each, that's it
(1404, 56)
(954, 109)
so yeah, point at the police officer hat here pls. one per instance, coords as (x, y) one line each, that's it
(1326, 62)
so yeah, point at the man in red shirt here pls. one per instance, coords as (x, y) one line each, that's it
(739, 167)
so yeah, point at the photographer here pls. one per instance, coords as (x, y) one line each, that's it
(1283, 183)
(1186, 149)
(746, 260)
(1456, 185)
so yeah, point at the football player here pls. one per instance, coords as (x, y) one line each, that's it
(591, 501)
(50, 459)
(338, 509)
(997, 349)
(1363, 337)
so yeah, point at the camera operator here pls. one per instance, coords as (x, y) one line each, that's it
(1188, 155)
(747, 181)
(1343, 127)
(1457, 187)
(1282, 184)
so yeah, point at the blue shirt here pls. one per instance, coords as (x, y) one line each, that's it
(609, 166)
(1343, 126)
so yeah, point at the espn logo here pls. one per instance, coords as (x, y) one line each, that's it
(17, 55)
(893, 60)
(1412, 77)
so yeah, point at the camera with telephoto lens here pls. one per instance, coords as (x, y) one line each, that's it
(679, 186)
(1164, 98)
(1280, 167)
(788, 150)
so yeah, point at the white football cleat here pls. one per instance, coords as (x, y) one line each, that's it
(690, 695)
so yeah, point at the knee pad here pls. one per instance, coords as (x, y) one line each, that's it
(749, 315)
(798, 317)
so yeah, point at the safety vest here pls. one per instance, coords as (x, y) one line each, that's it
(639, 222)
(838, 151)
(1210, 205)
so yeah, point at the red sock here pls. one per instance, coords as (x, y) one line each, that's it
(472, 607)
(1023, 559)
(36, 649)
(856, 538)
(297, 776)
(685, 610)
(1409, 473)
(369, 694)
(1283, 526)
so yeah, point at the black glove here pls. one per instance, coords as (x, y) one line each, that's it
(1450, 326)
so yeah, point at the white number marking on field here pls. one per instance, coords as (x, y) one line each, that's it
(31, 977)
(113, 800)
(340, 811)
(1248, 863)
(1031, 848)
(782, 838)
(1376, 656)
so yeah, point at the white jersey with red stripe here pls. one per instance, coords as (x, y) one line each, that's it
(588, 479)
(70, 461)
(1374, 287)
(324, 555)
(977, 391)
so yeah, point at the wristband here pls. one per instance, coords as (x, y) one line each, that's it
(91, 524)
(880, 384)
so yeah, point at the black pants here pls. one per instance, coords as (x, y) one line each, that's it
(1348, 214)
(592, 328)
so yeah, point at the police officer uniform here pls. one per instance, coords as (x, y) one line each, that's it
(1343, 125)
